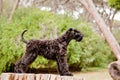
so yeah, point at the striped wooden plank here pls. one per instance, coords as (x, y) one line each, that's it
(26, 76)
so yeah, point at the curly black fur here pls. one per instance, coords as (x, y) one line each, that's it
(50, 49)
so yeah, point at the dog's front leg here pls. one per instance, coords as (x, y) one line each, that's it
(63, 66)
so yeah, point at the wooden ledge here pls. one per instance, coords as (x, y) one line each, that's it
(26, 76)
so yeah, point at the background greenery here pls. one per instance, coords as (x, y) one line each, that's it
(92, 51)
(114, 4)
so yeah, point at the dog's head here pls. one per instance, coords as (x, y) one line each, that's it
(75, 34)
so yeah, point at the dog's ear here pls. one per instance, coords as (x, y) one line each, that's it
(70, 29)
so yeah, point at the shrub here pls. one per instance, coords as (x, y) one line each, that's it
(91, 51)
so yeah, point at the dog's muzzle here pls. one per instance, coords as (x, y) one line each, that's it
(79, 38)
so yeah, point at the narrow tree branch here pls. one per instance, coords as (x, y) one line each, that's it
(112, 20)
(13, 10)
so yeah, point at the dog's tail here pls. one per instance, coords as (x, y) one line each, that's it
(22, 38)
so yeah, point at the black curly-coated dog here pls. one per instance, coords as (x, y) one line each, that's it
(50, 49)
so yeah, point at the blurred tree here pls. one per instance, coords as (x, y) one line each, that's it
(116, 5)
(105, 11)
(13, 10)
(73, 7)
(0, 6)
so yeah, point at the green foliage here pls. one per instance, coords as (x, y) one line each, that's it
(115, 4)
(91, 51)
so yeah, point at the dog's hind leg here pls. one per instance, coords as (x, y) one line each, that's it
(23, 64)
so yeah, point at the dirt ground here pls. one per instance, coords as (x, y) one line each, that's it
(97, 75)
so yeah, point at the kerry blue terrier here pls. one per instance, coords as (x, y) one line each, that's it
(50, 49)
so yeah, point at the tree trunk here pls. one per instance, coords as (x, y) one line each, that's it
(0, 7)
(89, 5)
(13, 10)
